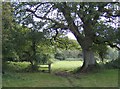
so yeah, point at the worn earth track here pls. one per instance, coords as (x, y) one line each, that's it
(68, 76)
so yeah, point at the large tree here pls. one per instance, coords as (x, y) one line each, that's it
(81, 19)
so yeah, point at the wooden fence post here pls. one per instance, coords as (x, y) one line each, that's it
(49, 68)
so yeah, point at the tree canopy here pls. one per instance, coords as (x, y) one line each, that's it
(21, 43)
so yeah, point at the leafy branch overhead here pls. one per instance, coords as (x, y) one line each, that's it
(76, 14)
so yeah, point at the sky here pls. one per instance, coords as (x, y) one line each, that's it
(71, 36)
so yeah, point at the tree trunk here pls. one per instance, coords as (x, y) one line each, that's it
(89, 61)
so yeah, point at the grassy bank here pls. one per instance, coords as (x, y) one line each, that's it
(104, 78)
(108, 78)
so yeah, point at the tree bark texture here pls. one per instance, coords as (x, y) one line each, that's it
(89, 61)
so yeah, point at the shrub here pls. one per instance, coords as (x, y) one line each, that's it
(59, 56)
(43, 58)
(113, 64)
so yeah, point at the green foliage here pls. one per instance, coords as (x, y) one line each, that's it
(15, 66)
(101, 50)
(114, 63)
(72, 53)
(112, 53)
(59, 56)
(44, 58)
(66, 43)
(107, 34)
(19, 41)
(7, 46)
(7, 14)
(13, 35)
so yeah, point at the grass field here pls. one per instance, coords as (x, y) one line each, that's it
(105, 78)
(66, 65)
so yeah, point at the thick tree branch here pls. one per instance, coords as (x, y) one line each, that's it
(73, 28)
(47, 12)
(107, 43)
(45, 18)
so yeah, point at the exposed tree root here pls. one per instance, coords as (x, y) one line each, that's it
(90, 68)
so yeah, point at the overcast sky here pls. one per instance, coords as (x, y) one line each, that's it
(71, 36)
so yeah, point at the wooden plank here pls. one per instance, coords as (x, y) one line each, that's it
(48, 66)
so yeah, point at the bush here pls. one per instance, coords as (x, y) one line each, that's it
(13, 59)
(113, 64)
(43, 58)
(31, 68)
(59, 56)
(72, 53)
